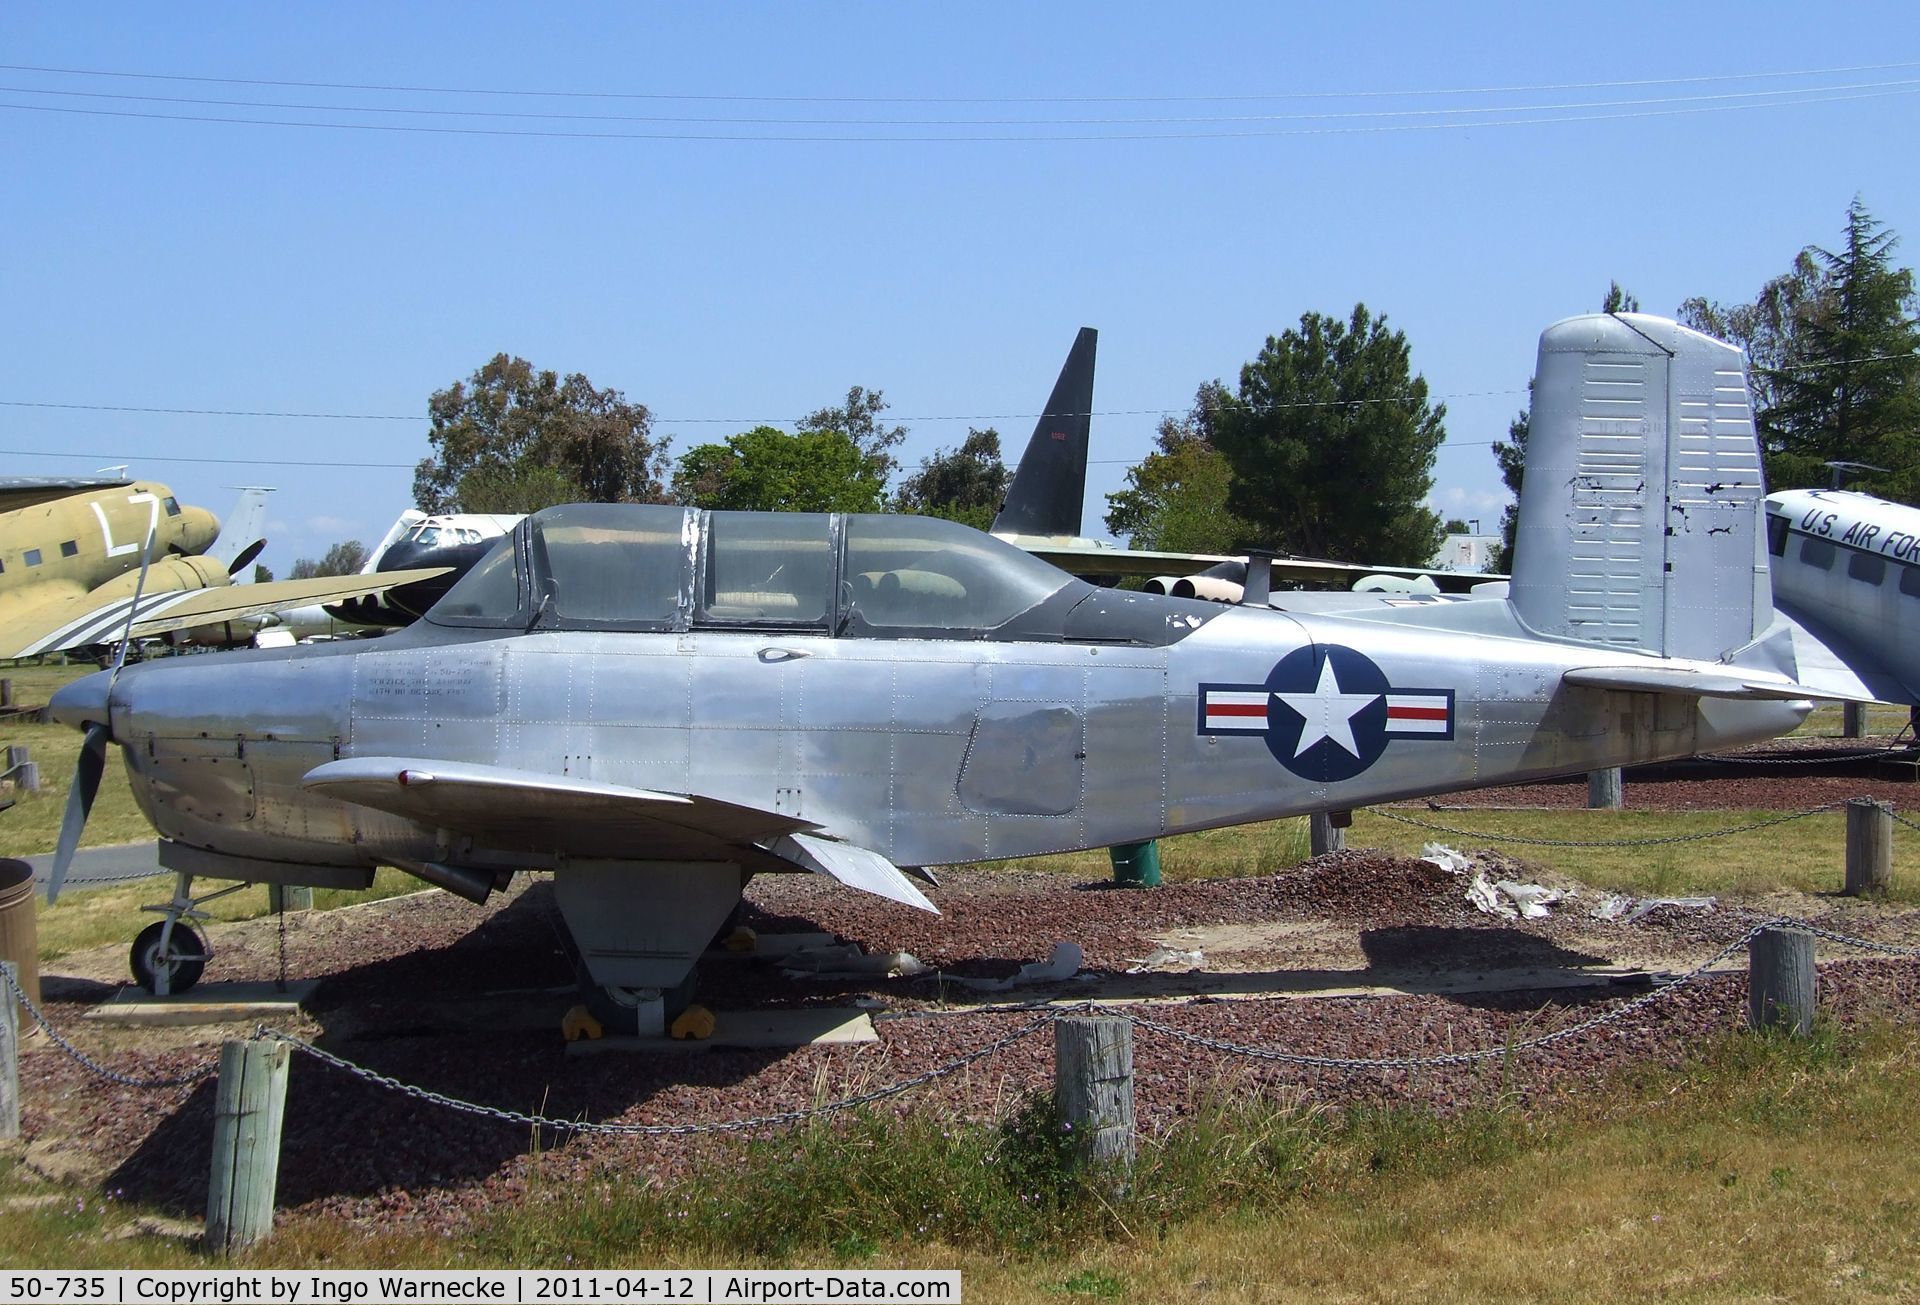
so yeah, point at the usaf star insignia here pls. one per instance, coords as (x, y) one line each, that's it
(1326, 712)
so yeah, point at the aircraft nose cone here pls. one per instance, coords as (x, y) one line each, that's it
(199, 529)
(82, 703)
(401, 555)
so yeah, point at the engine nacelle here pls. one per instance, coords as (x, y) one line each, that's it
(167, 575)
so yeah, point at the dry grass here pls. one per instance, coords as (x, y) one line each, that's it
(1764, 1169)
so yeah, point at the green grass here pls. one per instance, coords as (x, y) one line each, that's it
(1825, 721)
(1803, 855)
(32, 826)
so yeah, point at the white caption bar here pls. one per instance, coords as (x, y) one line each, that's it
(457, 1287)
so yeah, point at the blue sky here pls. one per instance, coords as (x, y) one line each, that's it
(188, 264)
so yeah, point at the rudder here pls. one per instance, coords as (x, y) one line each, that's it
(1640, 521)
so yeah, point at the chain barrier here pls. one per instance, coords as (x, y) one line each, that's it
(1608, 842)
(88, 1062)
(775, 1120)
(1900, 818)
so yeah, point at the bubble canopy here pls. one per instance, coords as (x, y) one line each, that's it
(608, 566)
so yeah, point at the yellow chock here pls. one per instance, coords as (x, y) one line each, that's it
(578, 1024)
(742, 939)
(695, 1022)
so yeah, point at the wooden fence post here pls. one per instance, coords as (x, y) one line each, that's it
(9, 1055)
(1780, 981)
(247, 1114)
(1869, 847)
(1605, 791)
(1853, 720)
(1093, 1087)
(1323, 836)
(6, 691)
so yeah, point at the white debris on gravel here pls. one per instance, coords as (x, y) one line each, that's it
(849, 961)
(1062, 963)
(1166, 958)
(1506, 898)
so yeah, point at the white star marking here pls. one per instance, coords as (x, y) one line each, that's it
(1327, 713)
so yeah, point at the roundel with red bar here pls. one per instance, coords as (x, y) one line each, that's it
(1326, 712)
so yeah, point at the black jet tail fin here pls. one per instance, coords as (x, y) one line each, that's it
(1045, 494)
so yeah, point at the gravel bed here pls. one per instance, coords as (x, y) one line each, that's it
(466, 1000)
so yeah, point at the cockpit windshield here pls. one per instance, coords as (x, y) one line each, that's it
(646, 567)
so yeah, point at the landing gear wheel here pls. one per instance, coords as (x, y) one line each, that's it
(182, 964)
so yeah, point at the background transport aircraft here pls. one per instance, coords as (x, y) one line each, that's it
(72, 553)
(656, 703)
(1846, 567)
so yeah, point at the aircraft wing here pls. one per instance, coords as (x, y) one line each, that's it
(1082, 559)
(25, 491)
(537, 811)
(78, 620)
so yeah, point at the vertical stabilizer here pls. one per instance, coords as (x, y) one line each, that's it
(1051, 480)
(244, 534)
(1641, 513)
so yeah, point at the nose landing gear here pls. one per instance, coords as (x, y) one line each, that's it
(169, 955)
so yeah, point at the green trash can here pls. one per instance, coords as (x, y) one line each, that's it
(1136, 865)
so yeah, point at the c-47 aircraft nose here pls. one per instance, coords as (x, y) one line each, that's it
(83, 702)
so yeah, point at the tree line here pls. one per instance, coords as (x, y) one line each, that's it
(1323, 446)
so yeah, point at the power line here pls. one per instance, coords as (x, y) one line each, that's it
(1812, 96)
(575, 94)
(1758, 97)
(754, 421)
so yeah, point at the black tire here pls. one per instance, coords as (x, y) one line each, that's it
(189, 957)
(621, 1019)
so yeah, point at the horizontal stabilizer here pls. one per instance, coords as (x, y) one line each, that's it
(1717, 682)
(856, 867)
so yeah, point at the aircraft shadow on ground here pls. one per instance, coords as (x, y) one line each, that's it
(421, 1018)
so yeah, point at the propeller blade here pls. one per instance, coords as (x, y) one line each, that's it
(86, 783)
(133, 611)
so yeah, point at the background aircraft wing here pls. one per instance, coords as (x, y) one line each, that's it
(25, 491)
(80, 620)
(206, 606)
(539, 812)
(1083, 560)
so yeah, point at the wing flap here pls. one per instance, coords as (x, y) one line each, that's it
(856, 867)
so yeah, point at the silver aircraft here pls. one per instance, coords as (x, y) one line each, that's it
(658, 703)
(1846, 568)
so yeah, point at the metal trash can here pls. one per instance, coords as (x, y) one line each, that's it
(1136, 865)
(19, 928)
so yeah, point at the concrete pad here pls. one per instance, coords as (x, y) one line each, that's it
(205, 1003)
(752, 1029)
